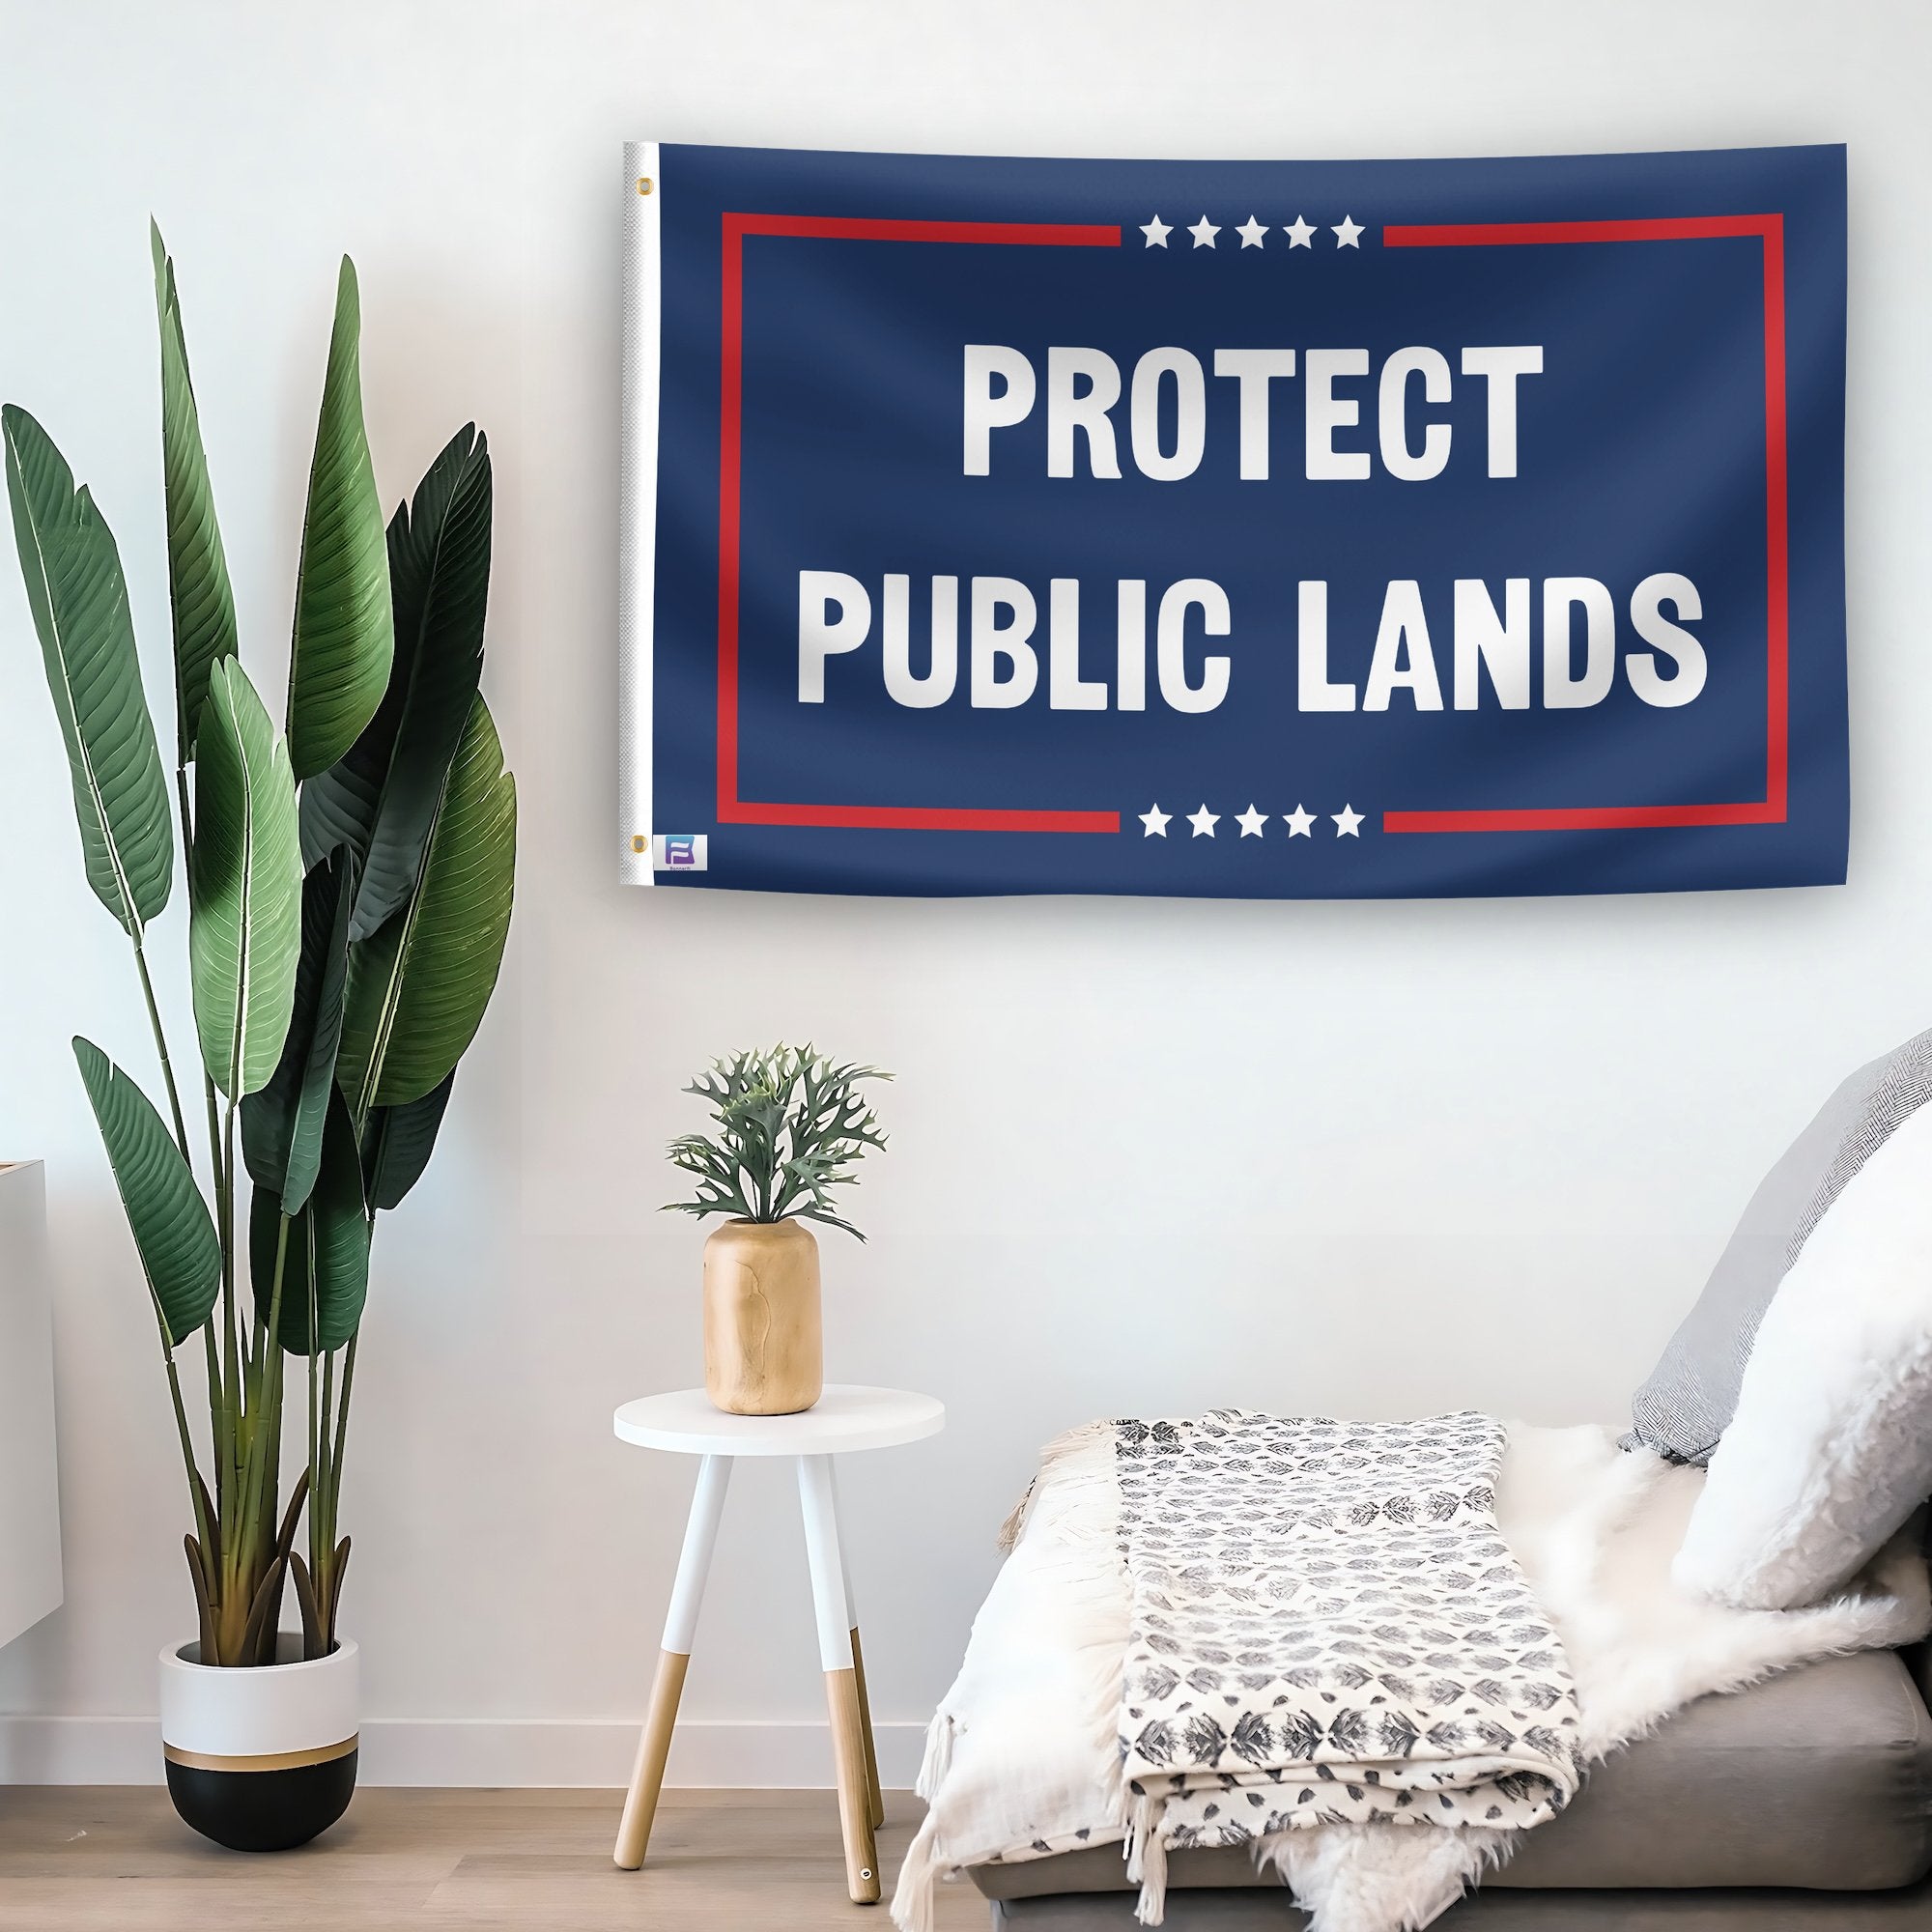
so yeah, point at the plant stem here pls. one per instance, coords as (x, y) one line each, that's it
(161, 1047)
(341, 1424)
(233, 1417)
(320, 1516)
(230, 1350)
(216, 1435)
(316, 1434)
(267, 1407)
(219, 1433)
(242, 1568)
(203, 1528)
(194, 1487)
(322, 1520)
(185, 811)
(332, 1599)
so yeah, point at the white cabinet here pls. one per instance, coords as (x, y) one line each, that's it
(29, 1558)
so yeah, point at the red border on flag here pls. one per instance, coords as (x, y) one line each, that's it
(1769, 229)
(731, 809)
(1771, 809)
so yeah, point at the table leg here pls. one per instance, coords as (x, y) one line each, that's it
(820, 1510)
(693, 1563)
(877, 1796)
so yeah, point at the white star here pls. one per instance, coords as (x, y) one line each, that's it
(1251, 232)
(1300, 823)
(1203, 822)
(1156, 822)
(1251, 822)
(1347, 822)
(1203, 232)
(1348, 233)
(1301, 235)
(1156, 232)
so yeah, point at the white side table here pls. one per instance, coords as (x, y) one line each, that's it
(845, 1419)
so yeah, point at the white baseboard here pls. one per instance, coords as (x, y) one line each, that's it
(479, 1752)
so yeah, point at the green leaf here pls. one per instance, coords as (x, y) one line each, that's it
(791, 1126)
(173, 1232)
(198, 590)
(344, 636)
(79, 600)
(398, 1142)
(381, 797)
(281, 1126)
(418, 987)
(326, 1265)
(246, 882)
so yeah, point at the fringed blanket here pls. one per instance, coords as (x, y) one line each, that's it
(1024, 1757)
(1325, 1626)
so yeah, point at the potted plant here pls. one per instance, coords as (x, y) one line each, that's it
(349, 886)
(789, 1127)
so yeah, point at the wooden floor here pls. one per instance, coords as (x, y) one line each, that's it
(74, 1859)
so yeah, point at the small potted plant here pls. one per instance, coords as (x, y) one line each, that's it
(349, 889)
(789, 1127)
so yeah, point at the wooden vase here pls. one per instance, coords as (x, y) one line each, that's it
(764, 1348)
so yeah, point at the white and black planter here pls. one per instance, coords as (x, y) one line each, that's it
(261, 1760)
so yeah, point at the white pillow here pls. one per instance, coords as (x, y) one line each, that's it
(1830, 1448)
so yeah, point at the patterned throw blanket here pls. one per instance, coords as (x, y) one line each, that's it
(1326, 1627)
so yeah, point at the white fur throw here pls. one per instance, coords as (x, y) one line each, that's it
(1023, 1756)
(1830, 1448)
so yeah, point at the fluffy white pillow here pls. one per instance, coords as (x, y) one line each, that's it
(1830, 1448)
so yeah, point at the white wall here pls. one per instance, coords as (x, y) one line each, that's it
(1367, 1159)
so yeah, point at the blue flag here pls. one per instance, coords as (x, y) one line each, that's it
(1245, 529)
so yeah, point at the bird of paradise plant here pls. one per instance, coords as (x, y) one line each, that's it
(348, 882)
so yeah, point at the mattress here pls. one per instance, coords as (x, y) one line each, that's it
(1820, 1779)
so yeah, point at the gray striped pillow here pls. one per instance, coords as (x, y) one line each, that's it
(1692, 1393)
